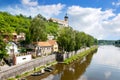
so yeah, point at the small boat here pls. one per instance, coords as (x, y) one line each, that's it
(37, 74)
(23, 79)
(48, 69)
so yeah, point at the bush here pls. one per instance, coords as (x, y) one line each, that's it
(17, 76)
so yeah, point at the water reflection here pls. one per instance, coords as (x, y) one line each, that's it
(108, 56)
(104, 65)
(72, 71)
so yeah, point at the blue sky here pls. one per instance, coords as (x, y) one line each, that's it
(99, 18)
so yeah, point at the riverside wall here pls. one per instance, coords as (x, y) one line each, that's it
(60, 57)
(70, 54)
(21, 68)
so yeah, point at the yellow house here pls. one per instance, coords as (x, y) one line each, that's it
(54, 45)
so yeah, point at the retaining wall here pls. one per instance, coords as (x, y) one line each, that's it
(70, 54)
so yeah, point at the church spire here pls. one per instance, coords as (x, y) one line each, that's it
(66, 17)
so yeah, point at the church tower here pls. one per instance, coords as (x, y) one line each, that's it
(66, 17)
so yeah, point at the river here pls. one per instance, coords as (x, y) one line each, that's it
(102, 65)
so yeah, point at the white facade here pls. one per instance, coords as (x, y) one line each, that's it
(21, 36)
(50, 37)
(43, 50)
(60, 22)
(55, 48)
(12, 48)
(22, 59)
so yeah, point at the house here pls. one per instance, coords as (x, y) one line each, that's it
(46, 47)
(43, 48)
(50, 37)
(61, 23)
(15, 57)
(54, 45)
(12, 48)
(15, 37)
(18, 37)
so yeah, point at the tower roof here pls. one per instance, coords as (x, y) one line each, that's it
(66, 16)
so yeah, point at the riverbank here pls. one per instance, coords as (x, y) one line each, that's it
(80, 55)
(67, 61)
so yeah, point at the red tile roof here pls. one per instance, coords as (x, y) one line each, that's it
(43, 44)
(52, 42)
(46, 43)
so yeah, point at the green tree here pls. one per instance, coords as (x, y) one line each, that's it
(2, 48)
(90, 41)
(18, 24)
(52, 28)
(66, 39)
(38, 29)
(78, 40)
(83, 39)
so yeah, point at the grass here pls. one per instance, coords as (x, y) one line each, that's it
(80, 55)
(11, 79)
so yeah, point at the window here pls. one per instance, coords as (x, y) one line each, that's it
(24, 58)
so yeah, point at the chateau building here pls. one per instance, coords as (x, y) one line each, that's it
(61, 22)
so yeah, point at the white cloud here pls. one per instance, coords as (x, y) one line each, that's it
(45, 10)
(94, 21)
(30, 2)
(50, 10)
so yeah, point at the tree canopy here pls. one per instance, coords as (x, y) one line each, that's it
(10, 24)
(38, 29)
(70, 40)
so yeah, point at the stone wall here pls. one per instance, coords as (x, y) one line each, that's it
(60, 57)
(21, 68)
(70, 54)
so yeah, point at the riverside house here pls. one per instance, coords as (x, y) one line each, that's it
(43, 48)
(15, 37)
(46, 47)
(15, 56)
(19, 37)
(12, 48)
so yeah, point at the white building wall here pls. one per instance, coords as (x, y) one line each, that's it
(55, 48)
(22, 59)
(46, 50)
(10, 46)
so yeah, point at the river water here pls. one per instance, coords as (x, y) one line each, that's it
(102, 65)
